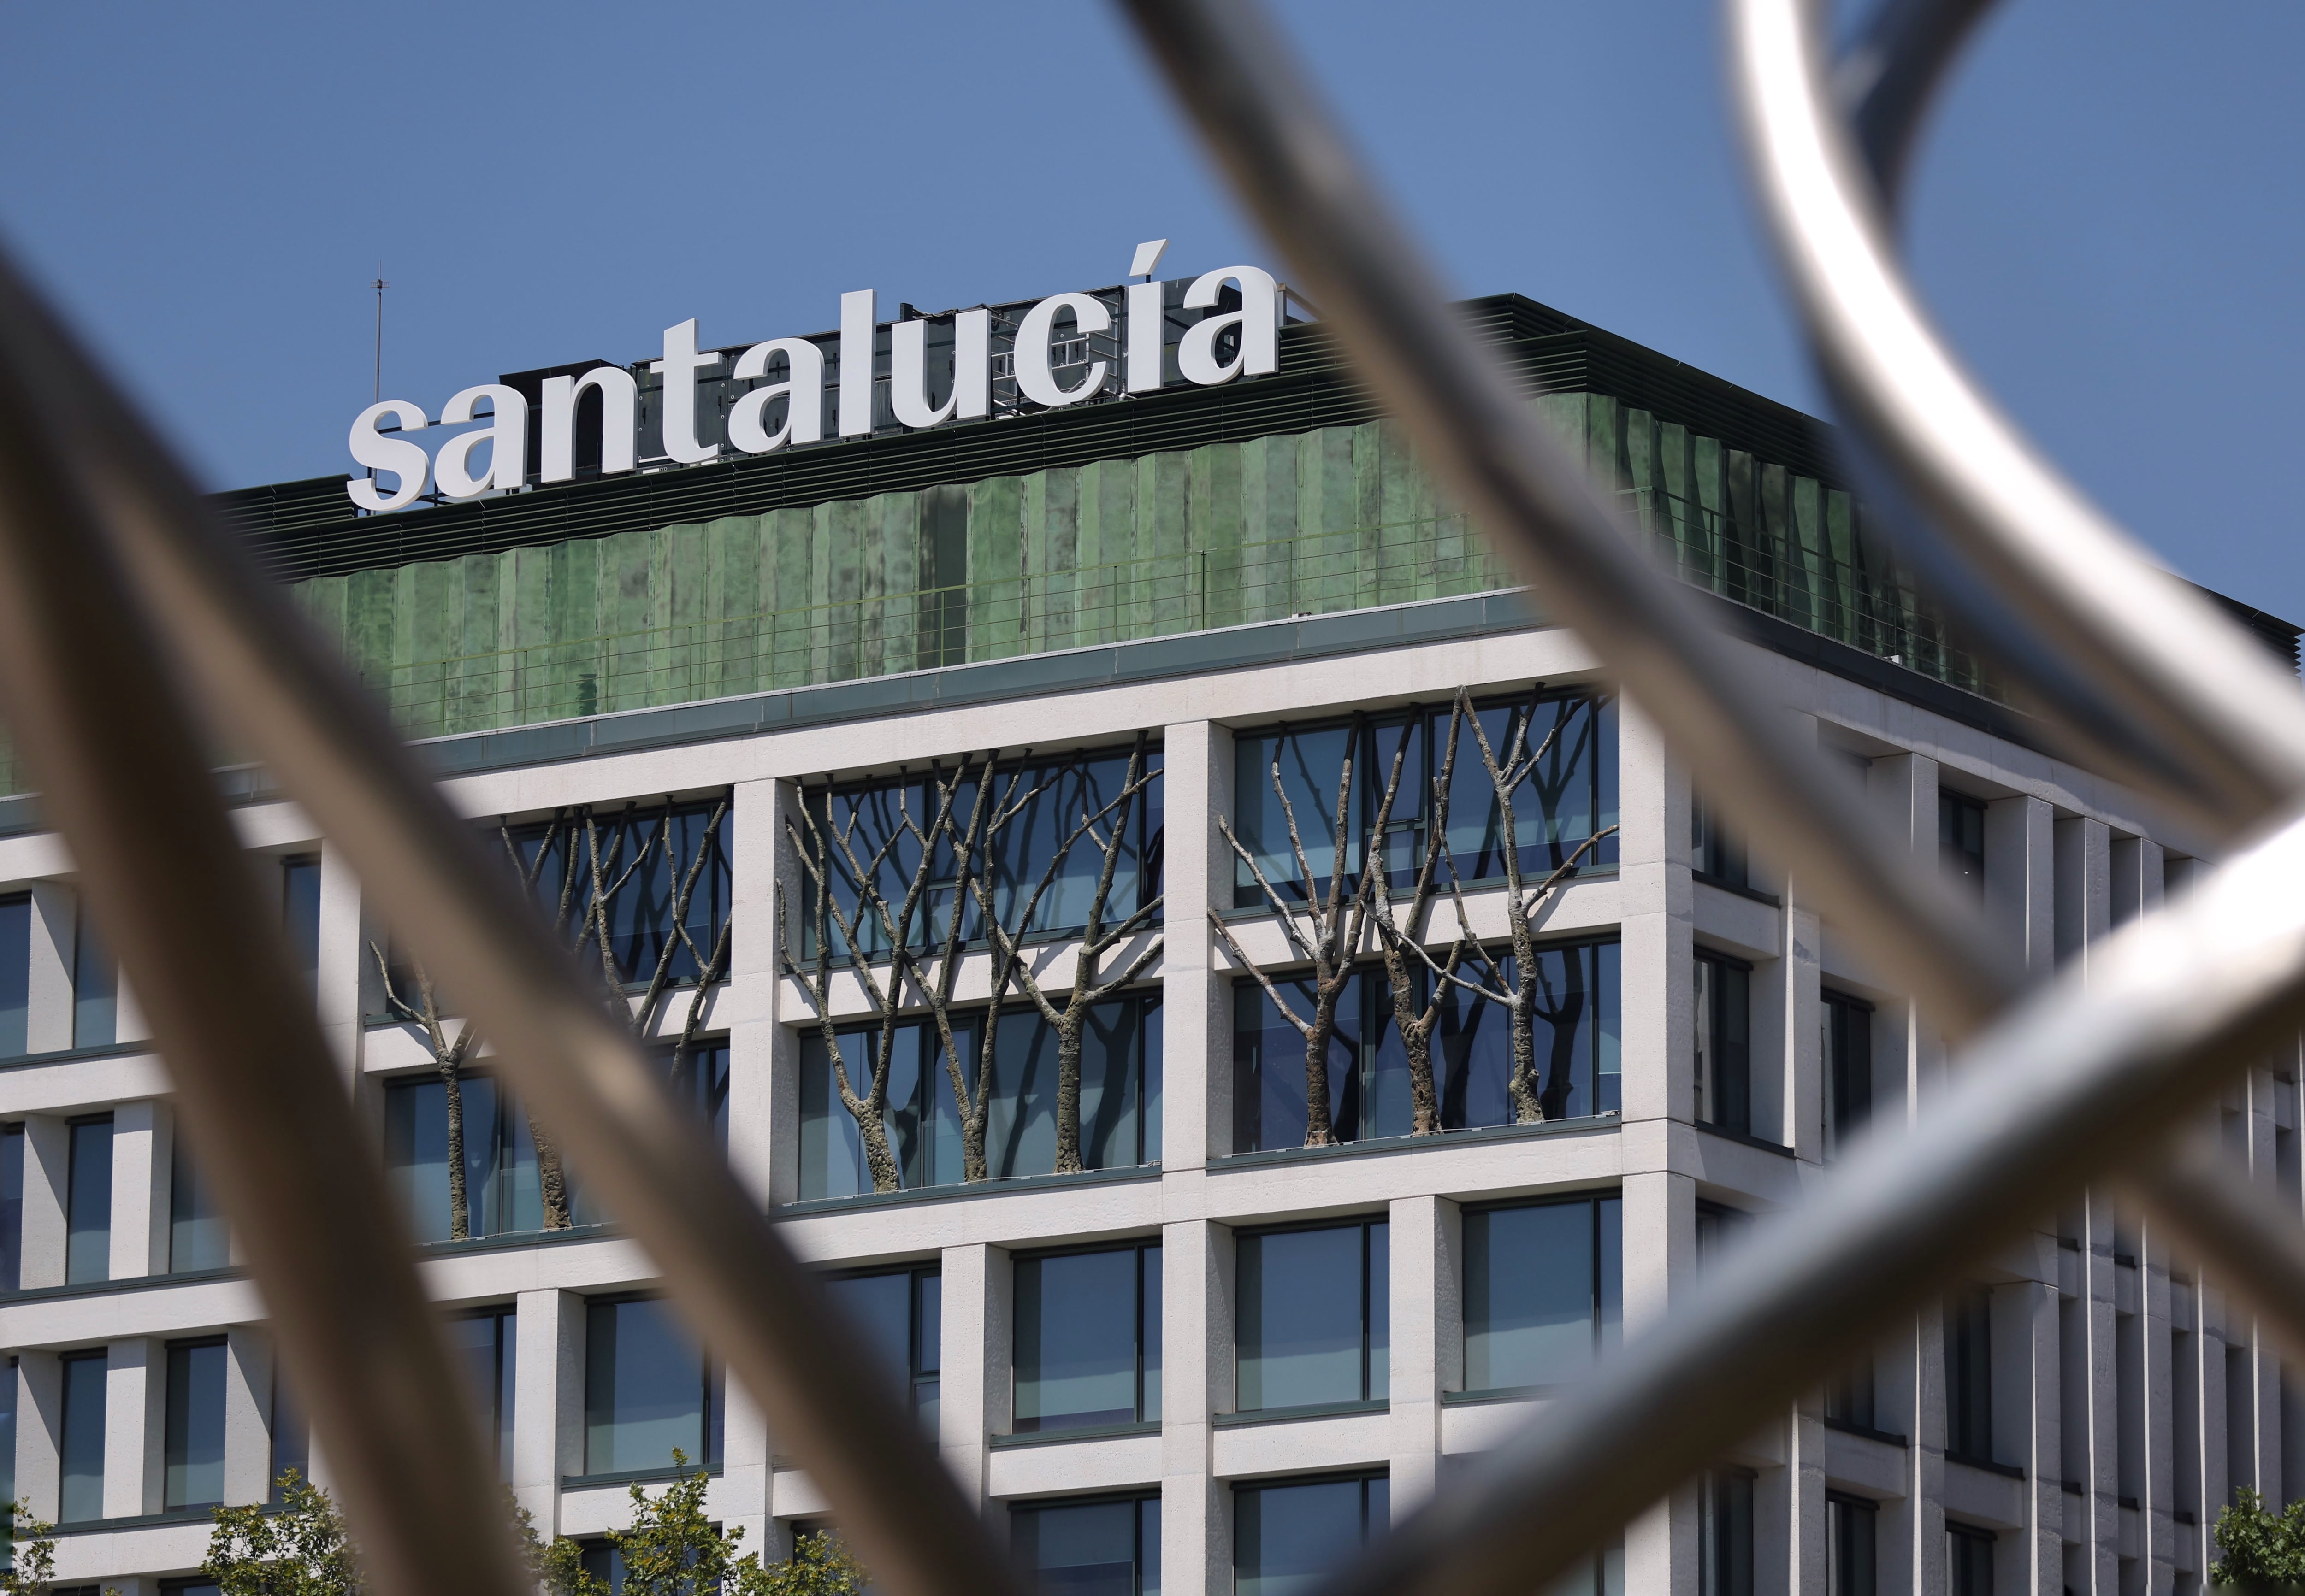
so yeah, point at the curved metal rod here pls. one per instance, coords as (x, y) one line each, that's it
(1289, 165)
(284, 694)
(2070, 1087)
(1888, 76)
(2196, 686)
(95, 708)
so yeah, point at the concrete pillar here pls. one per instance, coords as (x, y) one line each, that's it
(2084, 881)
(39, 1432)
(135, 1410)
(1426, 1318)
(2024, 1429)
(1197, 1319)
(142, 1151)
(2020, 877)
(48, 1183)
(1924, 1553)
(1903, 787)
(1659, 1240)
(1801, 940)
(2100, 1299)
(739, 1499)
(2134, 866)
(247, 1414)
(2156, 1509)
(1654, 892)
(48, 994)
(977, 1295)
(548, 1412)
(1805, 1570)
(784, 1026)
(748, 1003)
(1195, 988)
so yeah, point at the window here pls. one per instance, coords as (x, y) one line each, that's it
(1725, 1088)
(1119, 1101)
(1960, 839)
(699, 1082)
(10, 1383)
(1717, 1229)
(1969, 1559)
(1724, 1534)
(1603, 1574)
(1090, 1548)
(1852, 1528)
(292, 1433)
(1315, 1321)
(647, 1391)
(901, 1313)
(1088, 1339)
(1969, 1373)
(198, 1237)
(193, 1471)
(82, 1494)
(1711, 850)
(640, 910)
(1544, 1291)
(299, 910)
(1847, 1068)
(1849, 1397)
(501, 1194)
(88, 1201)
(1575, 1030)
(16, 975)
(1570, 795)
(11, 1212)
(486, 1346)
(96, 989)
(1285, 1538)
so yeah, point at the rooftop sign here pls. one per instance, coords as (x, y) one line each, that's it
(697, 404)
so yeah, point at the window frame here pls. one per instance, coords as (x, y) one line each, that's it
(1371, 1529)
(102, 1193)
(1369, 1296)
(1149, 1296)
(710, 1412)
(919, 1376)
(176, 1401)
(1597, 1249)
(1727, 1064)
(1147, 1544)
(1844, 1111)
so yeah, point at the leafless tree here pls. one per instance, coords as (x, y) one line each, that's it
(1107, 826)
(1332, 922)
(1401, 934)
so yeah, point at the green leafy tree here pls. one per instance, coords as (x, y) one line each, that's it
(2261, 1549)
(32, 1564)
(672, 1549)
(300, 1550)
(822, 1564)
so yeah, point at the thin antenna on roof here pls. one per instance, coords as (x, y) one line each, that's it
(380, 286)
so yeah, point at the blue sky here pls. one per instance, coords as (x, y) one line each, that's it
(2108, 220)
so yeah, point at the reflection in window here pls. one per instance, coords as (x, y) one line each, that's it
(1847, 1068)
(193, 1452)
(1572, 794)
(81, 1497)
(1711, 850)
(1968, 1559)
(292, 1433)
(1724, 1534)
(1090, 1548)
(1849, 1397)
(1544, 1291)
(96, 989)
(901, 1313)
(1852, 1532)
(1576, 1031)
(198, 1237)
(1725, 1043)
(501, 1193)
(1960, 839)
(1285, 1538)
(16, 975)
(1088, 1339)
(1313, 1316)
(300, 910)
(88, 1203)
(485, 1346)
(699, 1083)
(1119, 1104)
(647, 1391)
(1969, 1372)
(641, 913)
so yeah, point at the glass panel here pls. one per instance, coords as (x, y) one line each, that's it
(88, 1219)
(483, 1344)
(1269, 1096)
(1148, 1313)
(1300, 1330)
(1077, 1323)
(1087, 1549)
(639, 915)
(198, 1238)
(643, 1389)
(1529, 1295)
(928, 1347)
(291, 1434)
(1575, 1003)
(1286, 1537)
(1379, 1289)
(1725, 1535)
(81, 1497)
(194, 1460)
(15, 974)
(9, 1382)
(1308, 765)
(11, 1212)
(701, 1081)
(300, 893)
(1612, 1244)
(95, 990)
(1851, 1565)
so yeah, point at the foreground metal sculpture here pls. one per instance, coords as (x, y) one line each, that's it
(126, 620)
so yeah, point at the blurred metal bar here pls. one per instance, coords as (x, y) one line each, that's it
(1888, 77)
(2070, 1087)
(2189, 679)
(94, 706)
(1290, 166)
(284, 694)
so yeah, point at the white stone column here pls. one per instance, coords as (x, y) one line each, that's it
(975, 1320)
(2134, 866)
(2024, 1429)
(1654, 892)
(141, 1155)
(547, 1410)
(1924, 1522)
(2084, 877)
(48, 1184)
(1195, 993)
(2100, 1301)
(1799, 982)
(48, 994)
(1196, 1321)
(780, 1121)
(739, 1497)
(2020, 877)
(1659, 1240)
(39, 1432)
(247, 1414)
(1422, 1299)
(135, 1407)
(749, 1001)
(1805, 1570)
